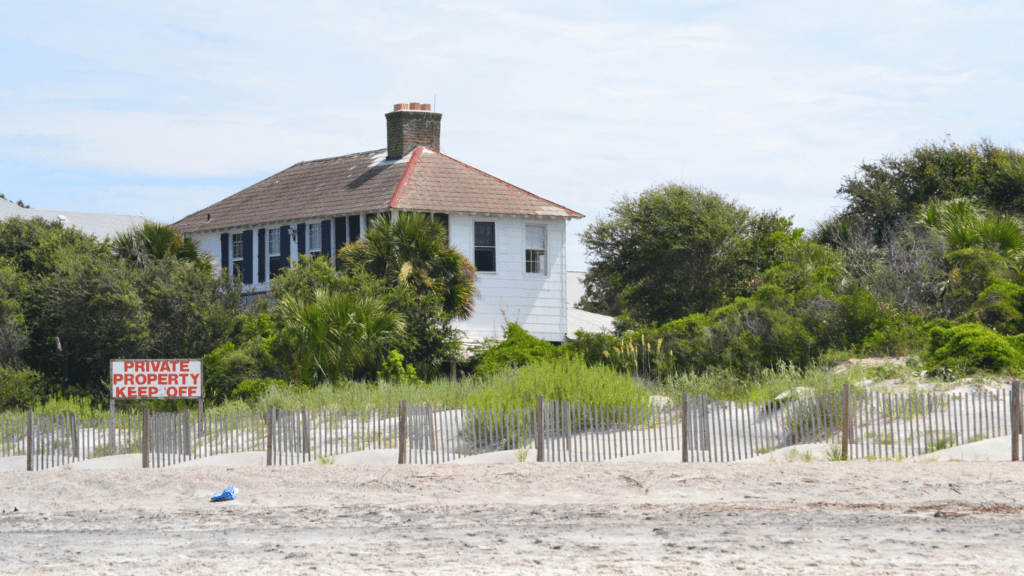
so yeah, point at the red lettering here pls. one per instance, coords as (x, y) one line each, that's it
(119, 392)
(128, 366)
(118, 378)
(162, 380)
(143, 392)
(172, 391)
(153, 390)
(131, 392)
(151, 378)
(164, 367)
(192, 391)
(195, 379)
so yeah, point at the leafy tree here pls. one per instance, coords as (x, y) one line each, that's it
(14, 335)
(674, 250)
(94, 306)
(883, 196)
(191, 311)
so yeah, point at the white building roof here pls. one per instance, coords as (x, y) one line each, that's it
(101, 226)
(579, 319)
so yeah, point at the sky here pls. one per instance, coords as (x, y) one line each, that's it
(161, 109)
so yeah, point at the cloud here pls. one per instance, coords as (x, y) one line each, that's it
(578, 102)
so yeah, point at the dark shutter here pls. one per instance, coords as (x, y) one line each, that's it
(443, 219)
(225, 248)
(300, 233)
(247, 257)
(261, 266)
(353, 228)
(325, 239)
(286, 247)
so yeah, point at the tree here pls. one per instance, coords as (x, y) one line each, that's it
(413, 250)
(338, 333)
(674, 250)
(883, 196)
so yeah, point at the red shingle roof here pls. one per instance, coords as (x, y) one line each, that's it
(423, 180)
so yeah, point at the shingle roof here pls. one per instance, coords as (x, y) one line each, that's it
(423, 180)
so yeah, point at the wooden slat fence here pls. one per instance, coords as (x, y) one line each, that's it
(871, 425)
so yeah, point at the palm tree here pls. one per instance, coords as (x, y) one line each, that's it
(156, 241)
(966, 225)
(338, 333)
(414, 250)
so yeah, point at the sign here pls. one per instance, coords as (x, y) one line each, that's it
(156, 379)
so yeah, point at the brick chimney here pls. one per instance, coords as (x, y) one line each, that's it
(411, 125)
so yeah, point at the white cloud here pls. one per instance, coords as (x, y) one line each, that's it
(771, 103)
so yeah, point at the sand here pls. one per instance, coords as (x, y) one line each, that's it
(519, 518)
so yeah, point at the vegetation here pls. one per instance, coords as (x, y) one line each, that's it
(925, 259)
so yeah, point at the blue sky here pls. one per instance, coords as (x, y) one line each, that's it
(161, 110)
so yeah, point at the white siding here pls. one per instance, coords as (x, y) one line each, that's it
(535, 302)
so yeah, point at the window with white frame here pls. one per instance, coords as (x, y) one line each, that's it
(313, 237)
(274, 238)
(536, 249)
(237, 247)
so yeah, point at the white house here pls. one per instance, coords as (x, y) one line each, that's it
(515, 239)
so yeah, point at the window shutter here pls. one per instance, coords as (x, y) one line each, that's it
(353, 228)
(261, 266)
(247, 257)
(225, 257)
(300, 232)
(325, 239)
(286, 246)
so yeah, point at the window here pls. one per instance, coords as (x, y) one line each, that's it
(275, 242)
(483, 247)
(314, 237)
(536, 249)
(236, 254)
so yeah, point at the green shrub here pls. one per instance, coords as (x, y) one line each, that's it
(975, 347)
(254, 388)
(396, 370)
(519, 348)
(80, 406)
(19, 389)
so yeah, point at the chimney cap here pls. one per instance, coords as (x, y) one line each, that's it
(412, 106)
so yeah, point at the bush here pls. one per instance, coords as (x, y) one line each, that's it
(396, 370)
(519, 348)
(975, 347)
(19, 389)
(254, 388)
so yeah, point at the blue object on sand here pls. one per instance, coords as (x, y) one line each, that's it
(229, 493)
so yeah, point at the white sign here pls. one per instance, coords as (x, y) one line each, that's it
(156, 379)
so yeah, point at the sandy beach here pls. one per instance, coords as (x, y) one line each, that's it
(519, 518)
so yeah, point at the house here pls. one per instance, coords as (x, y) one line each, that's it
(101, 226)
(515, 239)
